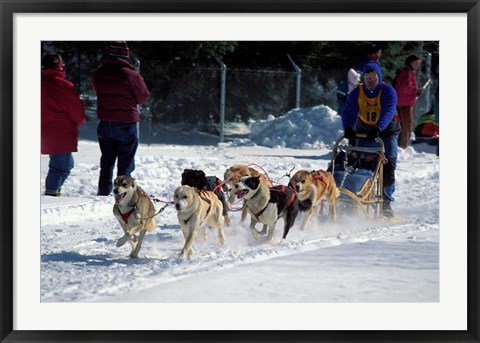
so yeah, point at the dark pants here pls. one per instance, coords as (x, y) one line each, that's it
(406, 117)
(391, 151)
(117, 141)
(390, 137)
(59, 168)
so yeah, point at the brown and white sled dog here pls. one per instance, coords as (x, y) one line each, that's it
(197, 178)
(232, 176)
(134, 211)
(267, 204)
(312, 188)
(196, 209)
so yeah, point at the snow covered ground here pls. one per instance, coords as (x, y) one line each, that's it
(350, 261)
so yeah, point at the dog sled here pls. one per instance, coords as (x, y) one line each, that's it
(358, 174)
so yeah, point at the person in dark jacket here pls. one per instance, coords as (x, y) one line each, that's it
(120, 89)
(62, 113)
(371, 110)
(373, 54)
(407, 90)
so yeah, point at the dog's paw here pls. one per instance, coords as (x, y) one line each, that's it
(221, 239)
(227, 221)
(255, 234)
(185, 255)
(123, 240)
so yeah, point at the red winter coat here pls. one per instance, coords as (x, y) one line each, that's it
(119, 90)
(406, 87)
(62, 113)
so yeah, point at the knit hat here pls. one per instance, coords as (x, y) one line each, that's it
(373, 66)
(119, 49)
(53, 61)
(373, 48)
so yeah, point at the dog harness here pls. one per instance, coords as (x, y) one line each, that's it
(126, 215)
(276, 189)
(320, 175)
(204, 196)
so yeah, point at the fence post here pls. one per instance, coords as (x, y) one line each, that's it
(429, 77)
(223, 80)
(299, 80)
(136, 65)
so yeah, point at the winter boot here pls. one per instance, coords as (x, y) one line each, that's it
(387, 210)
(54, 194)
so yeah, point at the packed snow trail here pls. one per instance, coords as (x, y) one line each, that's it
(80, 263)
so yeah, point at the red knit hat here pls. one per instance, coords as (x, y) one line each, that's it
(119, 49)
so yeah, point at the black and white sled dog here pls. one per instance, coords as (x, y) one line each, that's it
(232, 176)
(198, 179)
(266, 204)
(134, 211)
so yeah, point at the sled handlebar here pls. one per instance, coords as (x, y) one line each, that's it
(380, 148)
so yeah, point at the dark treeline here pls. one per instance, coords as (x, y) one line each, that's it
(183, 76)
(319, 55)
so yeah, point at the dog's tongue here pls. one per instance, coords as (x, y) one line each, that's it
(241, 193)
(119, 197)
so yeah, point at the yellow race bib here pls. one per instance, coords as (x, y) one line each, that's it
(368, 108)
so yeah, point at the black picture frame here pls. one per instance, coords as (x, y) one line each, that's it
(10, 7)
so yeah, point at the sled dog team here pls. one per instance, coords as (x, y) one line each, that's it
(200, 201)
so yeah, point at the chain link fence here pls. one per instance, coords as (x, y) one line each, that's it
(185, 102)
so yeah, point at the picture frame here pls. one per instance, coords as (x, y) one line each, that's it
(9, 8)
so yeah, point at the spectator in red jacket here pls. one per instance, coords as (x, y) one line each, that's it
(62, 113)
(120, 89)
(407, 92)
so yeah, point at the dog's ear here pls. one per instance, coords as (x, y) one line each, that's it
(134, 183)
(253, 182)
(187, 176)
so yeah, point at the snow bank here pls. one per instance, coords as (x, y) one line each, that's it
(303, 128)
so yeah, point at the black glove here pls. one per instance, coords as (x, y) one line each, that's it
(349, 133)
(373, 133)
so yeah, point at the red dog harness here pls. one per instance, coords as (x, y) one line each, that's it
(320, 175)
(126, 215)
(282, 189)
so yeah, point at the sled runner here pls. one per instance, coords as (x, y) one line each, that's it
(358, 174)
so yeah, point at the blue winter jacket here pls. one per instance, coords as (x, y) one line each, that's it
(388, 101)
